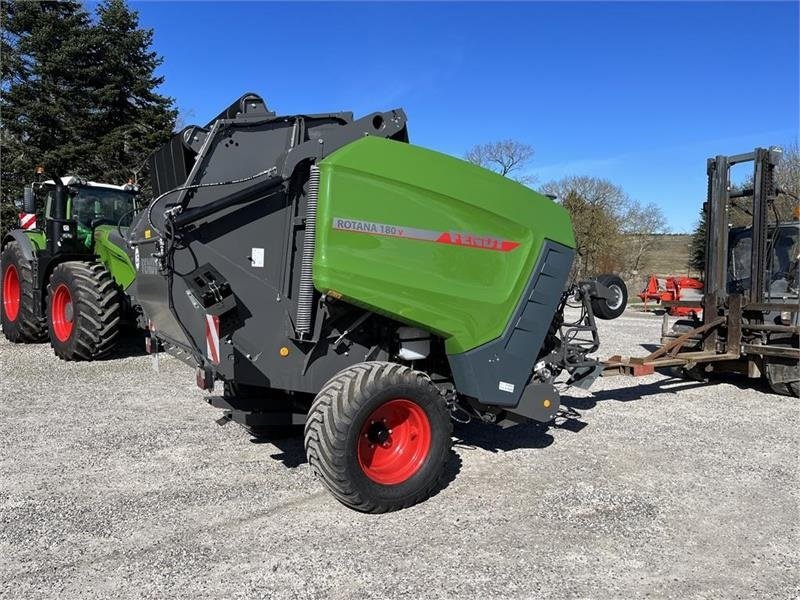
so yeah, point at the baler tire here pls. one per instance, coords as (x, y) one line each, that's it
(601, 307)
(96, 307)
(338, 420)
(26, 326)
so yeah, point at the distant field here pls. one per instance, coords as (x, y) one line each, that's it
(668, 256)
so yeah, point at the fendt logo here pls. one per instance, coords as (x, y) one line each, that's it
(453, 238)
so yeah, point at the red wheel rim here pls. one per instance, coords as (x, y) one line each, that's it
(394, 442)
(11, 292)
(62, 313)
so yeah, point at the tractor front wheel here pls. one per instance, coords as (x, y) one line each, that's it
(378, 436)
(18, 311)
(84, 311)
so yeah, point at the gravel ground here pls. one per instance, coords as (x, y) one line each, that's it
(115, 481)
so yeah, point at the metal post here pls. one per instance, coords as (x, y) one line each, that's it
(716, 267)
(762, 190)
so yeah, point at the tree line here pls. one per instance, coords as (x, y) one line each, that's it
(79, 94)
(612, 230)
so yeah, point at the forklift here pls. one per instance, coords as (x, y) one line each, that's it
(751, 302)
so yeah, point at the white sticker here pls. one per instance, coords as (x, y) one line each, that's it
(257, 257)
(504, 386)
(136, 257)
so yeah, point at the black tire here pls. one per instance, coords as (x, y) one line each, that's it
(789, 388)
(25, 326)
(781, 368)
(95, 314)
(340, 418)
(607, 310)
(680, 327)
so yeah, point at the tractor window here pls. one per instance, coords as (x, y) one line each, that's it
(102, 205)
(781, 265)
(739, 267)
(785, 255)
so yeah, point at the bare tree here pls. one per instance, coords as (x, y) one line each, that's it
(640, 226)
(597, 208)
(612, 231)
(506, 157)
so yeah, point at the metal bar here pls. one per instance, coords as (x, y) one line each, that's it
(734, 340)
(686, 303)
(770, 327)
(740, 158)
(717, 228)
(769, 306)
(691, 357)
(771, 350)
(758, 255)
(618, 365)
(741, 194)
(679, 341)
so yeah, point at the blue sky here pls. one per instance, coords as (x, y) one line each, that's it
(638, 93)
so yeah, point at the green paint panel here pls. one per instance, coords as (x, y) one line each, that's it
(36, 237)
(113, 257)
(429, 239)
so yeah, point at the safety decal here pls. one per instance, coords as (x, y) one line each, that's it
(454, 238)
(27, 220)
(212, 338)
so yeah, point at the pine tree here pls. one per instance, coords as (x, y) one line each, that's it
(44, 96)
(131, 119)
(697, 247)
(78, 97)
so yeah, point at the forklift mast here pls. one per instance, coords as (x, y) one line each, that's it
(718, 223)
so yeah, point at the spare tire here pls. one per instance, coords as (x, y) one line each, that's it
(611, 309)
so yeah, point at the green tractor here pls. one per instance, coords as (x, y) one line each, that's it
(66, 282)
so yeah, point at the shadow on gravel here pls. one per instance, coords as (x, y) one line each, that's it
(292, 453)
(289, 442)
(131, 343)
(634, 392)
(671, 385)
(496, 439)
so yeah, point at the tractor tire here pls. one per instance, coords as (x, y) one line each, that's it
(378, 436)
(18, 312)
(680, 327)
(775, 367)
(608, 310)
(84, 311)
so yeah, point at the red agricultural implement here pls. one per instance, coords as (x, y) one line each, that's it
(670, 290)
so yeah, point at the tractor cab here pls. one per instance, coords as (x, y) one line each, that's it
(92, 205)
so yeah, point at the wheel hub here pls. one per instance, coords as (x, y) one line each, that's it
(11, 293)
(394, 442)
(378, 433)
(615, 303)
(62, 313)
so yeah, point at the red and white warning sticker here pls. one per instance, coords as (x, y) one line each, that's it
(453, 238)
(212, 338)
(27, 220)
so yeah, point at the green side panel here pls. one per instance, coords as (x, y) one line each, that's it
(429, 239)
(113, 257)
(37, 238)
(84, 236)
